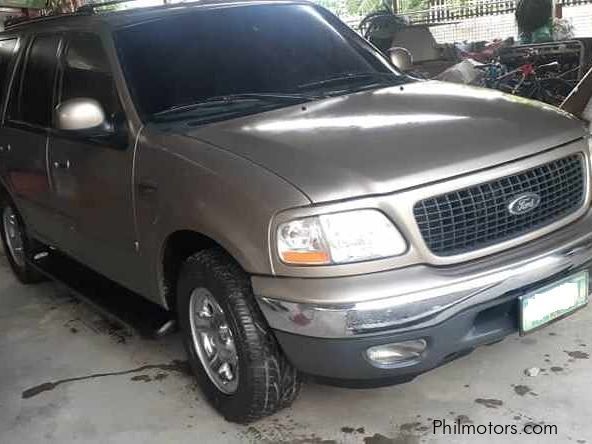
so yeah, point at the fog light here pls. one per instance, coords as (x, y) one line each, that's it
(396, 353)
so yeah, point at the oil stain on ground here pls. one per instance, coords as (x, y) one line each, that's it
(413, 427)
(523, 390)
(348, 429)
(141, 378)
(175, 366)
(489, 403)
(577, 354)
(377, 438)
(147, 378)
(463, 419)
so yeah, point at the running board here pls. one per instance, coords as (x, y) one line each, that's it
(111, 300)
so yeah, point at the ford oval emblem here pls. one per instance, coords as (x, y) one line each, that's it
(524, 203)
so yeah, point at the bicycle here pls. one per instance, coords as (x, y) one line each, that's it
(530, 81)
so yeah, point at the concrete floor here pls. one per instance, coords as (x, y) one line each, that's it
(106, 397)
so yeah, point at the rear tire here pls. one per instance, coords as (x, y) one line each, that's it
(218, 316)
(16, 243)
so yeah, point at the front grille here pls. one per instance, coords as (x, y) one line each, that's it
(472, 218)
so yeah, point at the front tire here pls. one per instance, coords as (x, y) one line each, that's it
(231, 350)
(17, 246)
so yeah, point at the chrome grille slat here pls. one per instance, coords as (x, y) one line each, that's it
(476, 217)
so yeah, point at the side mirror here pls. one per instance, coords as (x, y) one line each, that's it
(401, 58)
(82, 115)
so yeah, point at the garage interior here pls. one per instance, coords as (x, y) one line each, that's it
(70, 375)
(72, 371)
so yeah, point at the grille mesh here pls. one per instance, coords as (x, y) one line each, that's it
(471, 218)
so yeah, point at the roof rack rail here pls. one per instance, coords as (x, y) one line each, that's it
(88, 9)
(22, 21)
(13, 21)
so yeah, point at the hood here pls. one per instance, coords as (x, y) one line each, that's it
(385, 140)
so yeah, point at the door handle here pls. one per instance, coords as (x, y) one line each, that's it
(62, 165)
(147, 189)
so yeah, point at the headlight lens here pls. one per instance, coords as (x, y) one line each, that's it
(339, 238)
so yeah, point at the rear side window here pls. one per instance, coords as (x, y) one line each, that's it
(6, 52)
(86, 73)
(32, 99)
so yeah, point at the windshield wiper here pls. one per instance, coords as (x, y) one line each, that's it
(237, 99)
(374, 77)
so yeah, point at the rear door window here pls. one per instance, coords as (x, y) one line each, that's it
(31, 101)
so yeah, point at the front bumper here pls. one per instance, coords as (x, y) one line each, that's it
(325, 325)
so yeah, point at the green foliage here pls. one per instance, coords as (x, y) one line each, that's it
(59, 6)
(53, 7)
(363, 7)
(351, 8)
(407, 6)
(335, 6)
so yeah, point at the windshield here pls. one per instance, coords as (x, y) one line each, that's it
(264, 50)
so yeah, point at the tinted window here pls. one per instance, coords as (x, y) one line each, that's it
(86, 73)
(6, 52)
(248, 49)
(33, 99)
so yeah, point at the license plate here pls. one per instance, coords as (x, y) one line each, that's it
(553, 301)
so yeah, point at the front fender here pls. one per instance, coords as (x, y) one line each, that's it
(207, 190)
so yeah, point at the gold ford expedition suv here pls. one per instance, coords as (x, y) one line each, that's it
(299, 205)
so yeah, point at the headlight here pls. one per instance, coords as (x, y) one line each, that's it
(339, 238)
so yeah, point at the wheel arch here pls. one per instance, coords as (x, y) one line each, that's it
(176, 248)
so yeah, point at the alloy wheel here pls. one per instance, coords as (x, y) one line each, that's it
(213, 340)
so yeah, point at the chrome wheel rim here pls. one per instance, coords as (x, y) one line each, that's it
(14, 236)
(213, 340)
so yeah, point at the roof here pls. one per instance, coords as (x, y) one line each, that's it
(133, 16)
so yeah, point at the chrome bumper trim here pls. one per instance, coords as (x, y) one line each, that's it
(416, 297)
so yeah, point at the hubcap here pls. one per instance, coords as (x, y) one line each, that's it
(14, 236)
(213, 340)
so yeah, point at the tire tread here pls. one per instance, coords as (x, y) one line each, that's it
(276, 383)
